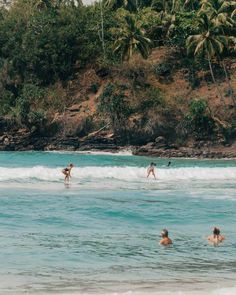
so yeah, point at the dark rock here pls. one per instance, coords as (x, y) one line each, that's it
(99, 147)
(172, 146)
(150, 145)
(160, 139)
(160, 142)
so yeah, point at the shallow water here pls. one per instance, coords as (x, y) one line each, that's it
(100, 234)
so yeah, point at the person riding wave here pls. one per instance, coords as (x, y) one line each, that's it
(151, 170)
(67, 172)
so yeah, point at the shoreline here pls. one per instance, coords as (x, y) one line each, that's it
(182, 153)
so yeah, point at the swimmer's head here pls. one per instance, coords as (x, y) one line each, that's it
(164, 233)
(153, 164)
(71, 165)
(216, 231)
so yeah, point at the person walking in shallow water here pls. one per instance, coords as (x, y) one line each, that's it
(67, 172)
(165, 238)
(216, 237)
(151, 170)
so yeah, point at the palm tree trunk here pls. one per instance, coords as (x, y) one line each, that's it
(214, 80)
(102, 30)
(232, 96)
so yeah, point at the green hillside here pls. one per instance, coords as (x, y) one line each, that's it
(122, 72)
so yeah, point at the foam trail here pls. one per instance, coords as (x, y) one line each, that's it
(124, 152)
(208, 291)
(119, 173)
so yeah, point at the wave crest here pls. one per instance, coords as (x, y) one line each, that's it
(127, 173)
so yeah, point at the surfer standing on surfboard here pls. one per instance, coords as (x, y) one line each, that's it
(151, 170)
(66, 171)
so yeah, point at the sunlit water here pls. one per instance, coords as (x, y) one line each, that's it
(100, 234)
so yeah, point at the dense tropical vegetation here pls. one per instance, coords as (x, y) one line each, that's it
(46, 44)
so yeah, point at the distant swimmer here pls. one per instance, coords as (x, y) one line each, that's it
(151, 170)
(66, 171)
(165, 238)
(216, 237)
(168, 165)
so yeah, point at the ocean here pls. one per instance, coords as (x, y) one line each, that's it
(100, 234)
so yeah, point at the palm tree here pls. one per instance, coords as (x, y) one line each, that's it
(233, 13)
(43, 4)
(166, 12)
(219, 11)
(231, 44)
(5, 3)
(191, 4)
(209, 43)
(101, 33)
(131, 38)
(221, 14)
(131, 5)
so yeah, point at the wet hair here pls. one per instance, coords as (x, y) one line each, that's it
(216, 231)
(153, 164)
(164, 233)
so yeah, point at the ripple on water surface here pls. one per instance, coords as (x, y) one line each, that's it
(100, 234)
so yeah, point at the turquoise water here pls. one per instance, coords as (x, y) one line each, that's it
(100, 234)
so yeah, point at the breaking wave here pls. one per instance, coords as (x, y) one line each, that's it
(42, 173)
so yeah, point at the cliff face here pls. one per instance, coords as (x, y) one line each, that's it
(151, 102)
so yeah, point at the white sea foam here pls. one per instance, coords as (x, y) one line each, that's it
(208, 291)
(219, 291)
(123, 152)
(128, 174)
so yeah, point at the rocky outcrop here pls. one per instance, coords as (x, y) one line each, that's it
(23, 140)
(205, 150)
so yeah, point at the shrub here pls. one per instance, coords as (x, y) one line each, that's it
(185, 24)
(94, 88)
(163, 69)
(197, 108)
(86, 126)
(230, 132)
(199, 119)
(36, 120)
(113, 103)
(32, 93)
(21, 112)
(153, 98)
(7, 99)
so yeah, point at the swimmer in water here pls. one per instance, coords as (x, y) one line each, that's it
(66, 171)
(168, 165)
(216, 237)
(165, 238)
(151, 170)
